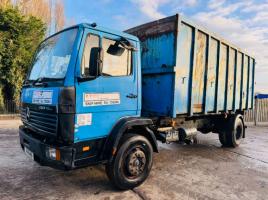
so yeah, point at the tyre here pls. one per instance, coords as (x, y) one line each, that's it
(132, 162)
(234, 132)
(222, 138)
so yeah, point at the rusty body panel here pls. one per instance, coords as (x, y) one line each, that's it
(199, 73)
(184, 63)
(231, 79)
(250, 87)
(222, 77)
(211, 75)
(245, 82)
(238, 92)
(189, 70)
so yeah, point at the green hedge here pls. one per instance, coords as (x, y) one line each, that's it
(19, 38)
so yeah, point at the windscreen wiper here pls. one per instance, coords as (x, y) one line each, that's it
(26, 83)
(42, 81)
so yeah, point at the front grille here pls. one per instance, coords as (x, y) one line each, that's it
(39, 121)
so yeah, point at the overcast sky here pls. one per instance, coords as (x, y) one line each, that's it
(243, 22)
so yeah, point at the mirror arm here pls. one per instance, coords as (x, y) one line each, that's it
(131, 48)
(128, 46)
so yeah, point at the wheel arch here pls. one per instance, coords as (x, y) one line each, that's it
(136, 125)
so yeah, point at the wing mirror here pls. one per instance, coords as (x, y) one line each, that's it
(115, 50)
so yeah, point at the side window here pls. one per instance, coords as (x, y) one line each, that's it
(92, 41)
(116, 59)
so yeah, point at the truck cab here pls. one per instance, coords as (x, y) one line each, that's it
(80, 95)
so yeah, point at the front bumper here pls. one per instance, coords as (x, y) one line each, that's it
(70, 156)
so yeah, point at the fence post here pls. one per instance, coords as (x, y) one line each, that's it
(256, 112)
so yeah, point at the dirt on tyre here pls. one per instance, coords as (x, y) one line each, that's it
(234, 132)
(132, 162)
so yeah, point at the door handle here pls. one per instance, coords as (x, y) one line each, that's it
(132, 96)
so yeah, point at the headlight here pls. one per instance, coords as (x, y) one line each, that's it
(52, 153)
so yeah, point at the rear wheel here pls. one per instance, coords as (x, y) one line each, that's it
(222, 138)
(132, 163)
(232, 135)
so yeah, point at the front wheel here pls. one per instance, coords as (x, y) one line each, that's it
(132, 163)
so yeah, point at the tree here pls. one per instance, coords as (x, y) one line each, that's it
(23, 24)
(37, 8)
(5, 3)
(51, 12)
(59, 16)
(19, 37)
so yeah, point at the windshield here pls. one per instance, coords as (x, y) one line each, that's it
(53, 56)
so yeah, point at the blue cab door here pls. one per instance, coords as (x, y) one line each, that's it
(101, 102)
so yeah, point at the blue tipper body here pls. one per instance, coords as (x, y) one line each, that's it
(187, 69)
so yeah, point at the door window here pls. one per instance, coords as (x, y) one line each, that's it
(92, 41)
(116, 59)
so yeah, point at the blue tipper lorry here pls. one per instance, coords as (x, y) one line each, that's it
(98, 96)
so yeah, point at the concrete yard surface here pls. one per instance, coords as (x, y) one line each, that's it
(198, 171)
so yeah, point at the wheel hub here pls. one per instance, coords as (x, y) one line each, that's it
(136, 162)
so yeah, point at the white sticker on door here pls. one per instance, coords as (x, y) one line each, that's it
(101, 99)
(84, 119)
(42, 97)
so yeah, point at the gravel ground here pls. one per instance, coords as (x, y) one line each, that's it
(199, 171)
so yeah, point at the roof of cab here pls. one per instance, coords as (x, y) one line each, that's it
(111, 31)
(102, 29)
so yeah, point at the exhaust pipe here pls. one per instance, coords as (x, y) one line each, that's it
(187, 133)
